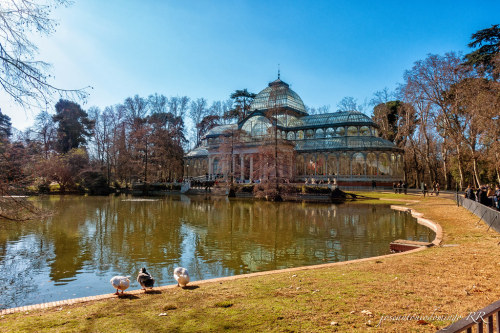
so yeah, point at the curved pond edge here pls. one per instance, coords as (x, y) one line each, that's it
(419, 216)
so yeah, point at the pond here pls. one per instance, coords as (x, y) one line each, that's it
(87, 240)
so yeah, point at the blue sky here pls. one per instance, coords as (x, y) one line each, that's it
(326, 49)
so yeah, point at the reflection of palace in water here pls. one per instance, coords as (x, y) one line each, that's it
(260, 236)
(344, 145)
(89, 239)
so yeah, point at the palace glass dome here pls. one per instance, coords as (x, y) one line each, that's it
(278, 95)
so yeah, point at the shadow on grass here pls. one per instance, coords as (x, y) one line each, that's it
(127, 296)
(190, 287)
(152, 292)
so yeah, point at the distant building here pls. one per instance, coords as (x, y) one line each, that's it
(341, 145)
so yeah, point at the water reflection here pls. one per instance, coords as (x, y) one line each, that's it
(90, 239)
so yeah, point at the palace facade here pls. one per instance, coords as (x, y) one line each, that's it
(343, 145)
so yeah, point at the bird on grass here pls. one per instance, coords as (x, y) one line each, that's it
(120, 283)
(145, 279)
(181, 275)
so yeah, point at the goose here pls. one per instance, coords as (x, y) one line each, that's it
(181, 275)
(120, 283)
(145, 279)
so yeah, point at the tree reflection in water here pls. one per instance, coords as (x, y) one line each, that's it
(90, 239)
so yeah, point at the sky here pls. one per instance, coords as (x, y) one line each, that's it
(326, 50)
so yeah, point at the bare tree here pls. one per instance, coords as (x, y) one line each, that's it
(135, 107)
(348, 104)
(197, 111)
(157, 103)
(23, 77)
(319, 110)
(425, 87)
(45, 130)
(381, 96)
(178, 105)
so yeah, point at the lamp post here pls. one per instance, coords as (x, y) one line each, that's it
(187, 171)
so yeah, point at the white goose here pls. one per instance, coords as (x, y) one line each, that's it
(181, 275)
(120, 283)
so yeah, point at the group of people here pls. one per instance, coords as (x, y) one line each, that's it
(435, 189)
(399, 187)
(313, 181)
(485, 194)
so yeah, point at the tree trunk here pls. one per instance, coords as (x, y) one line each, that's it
(497, 166)
(474, 165)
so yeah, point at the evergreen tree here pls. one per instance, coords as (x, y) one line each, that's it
(73, 126)
(5, 126)
(486, 57)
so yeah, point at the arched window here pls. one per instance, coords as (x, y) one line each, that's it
(345, 168)
(310, 164)
(330, 133)
(400, 166)
(364, 130)
(299, 165)
(371, 164)
(340, 131)
(384, 167)
(332, 165)
(291, 136)
(300, 135)
(352, 131)
(358, 164)
(216, 167)
(257, 126)
(309, 134)
(320, 133)
(320, 165)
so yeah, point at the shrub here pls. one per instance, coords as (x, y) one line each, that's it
(94, 183)
(245, 188)
(315, 190)
(42, 186)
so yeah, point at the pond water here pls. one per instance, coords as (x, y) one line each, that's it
(87, 240)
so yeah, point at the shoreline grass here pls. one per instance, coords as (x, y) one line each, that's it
(439, 283)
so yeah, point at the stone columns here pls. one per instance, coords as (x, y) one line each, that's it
(338, 164)
(326, 164)
(210, 167)
(364, 164)
(233, 166)
(251, 168)
(350, 165)
(242, 167)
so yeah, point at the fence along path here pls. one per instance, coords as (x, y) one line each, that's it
(489, 215)
(490, 314)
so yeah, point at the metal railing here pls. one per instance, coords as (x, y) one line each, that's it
(479, 319)
(487, 214)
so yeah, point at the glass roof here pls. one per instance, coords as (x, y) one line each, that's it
(344, 143)
(335, 118)
(278, 94)
(218, 130)
(198, 152)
